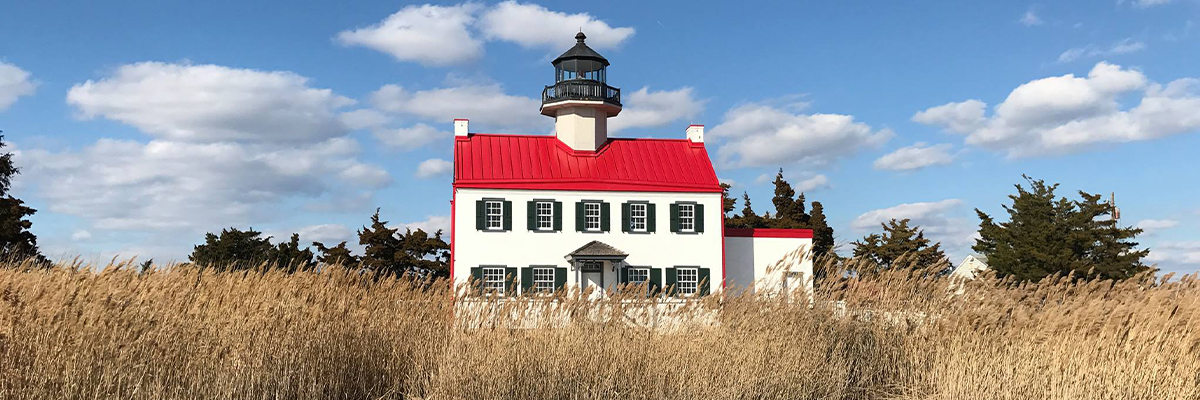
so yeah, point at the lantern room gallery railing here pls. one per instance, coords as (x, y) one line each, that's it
(581, 89)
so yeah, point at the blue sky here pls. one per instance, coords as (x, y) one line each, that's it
(141, 125)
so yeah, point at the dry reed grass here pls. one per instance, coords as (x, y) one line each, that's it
(184, 333)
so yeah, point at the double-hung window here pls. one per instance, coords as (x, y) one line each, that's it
(637, 217)
(543, 279)
(591, 215)
(545, 215)
(493, 281)
(638, 276)
(494, 211)
(686, 281)
(687, 217)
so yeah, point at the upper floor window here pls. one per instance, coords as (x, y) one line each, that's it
(686, 281)
(591, 215)
(545, 215)
(495, 214)
(637, 217)
(687, 217)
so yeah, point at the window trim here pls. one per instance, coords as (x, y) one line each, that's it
(486, 285)
(678, 282)
(599, 216)
(533, 286)
(487, 221)
(537, 204)
(629, 276)
(679, 206)
(645, 217)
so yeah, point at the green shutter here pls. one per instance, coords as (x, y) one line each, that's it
(604, 216)
(560, 278)
(580, 222)
(480, 215)
(624, 278)
(531, 216)
(624, 217)
(699, 218)
(703, 280)
(655, 281)
(507, 215)
(557, 216)
(675, 217)
(651, 217)
(670, 282)
(526, 279)
(477, 278)
(510, 275)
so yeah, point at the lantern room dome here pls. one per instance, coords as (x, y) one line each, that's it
(581, 51)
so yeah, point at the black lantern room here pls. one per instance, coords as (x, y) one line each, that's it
(580, 74)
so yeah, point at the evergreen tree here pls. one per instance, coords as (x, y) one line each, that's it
(414, 252)
(16, 241)
(289, 255)
(785, 206)
(234, 249)
(822, 232)
(897, 240)
(1048, 235)
(726, 201)
(336, 255)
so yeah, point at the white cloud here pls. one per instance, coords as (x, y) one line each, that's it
(1125, 46)
(645, 109)
(936, 218)
(487, 104)
(1030, 18)
(14, 83)
(427, 34)
(327, 234)
(961, 117)
(727, 181)
(1152, 225)
(1149, 3)
(917, 156)
(811, 184)
(433, 167)
(81, 235)
(762, 135)
(364, 119)
(1067, 113)
(163, 185)
(531, 25)
(1175, 253)
(431, 225)
(212, 103)
(409, 138)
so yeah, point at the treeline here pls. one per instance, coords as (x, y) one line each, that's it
(385, 250)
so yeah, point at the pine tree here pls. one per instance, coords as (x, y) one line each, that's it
(430, 255)
(822, 232)
(380, 245)
(727, 202)
(234, 249)
(289, 255)
(17, 242)
(1048, 235)
(337, 255)
(899, 240)
(785, 205)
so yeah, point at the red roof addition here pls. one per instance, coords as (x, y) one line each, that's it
(545, 163)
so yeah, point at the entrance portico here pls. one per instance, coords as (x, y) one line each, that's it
(596, 266)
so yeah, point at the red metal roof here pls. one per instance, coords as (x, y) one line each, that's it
(769, 233)
(545, 163)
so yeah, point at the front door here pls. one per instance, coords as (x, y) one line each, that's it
(592, 277)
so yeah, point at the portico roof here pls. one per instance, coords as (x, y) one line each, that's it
(597, 250)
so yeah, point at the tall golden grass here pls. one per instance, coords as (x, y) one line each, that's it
(184, 333)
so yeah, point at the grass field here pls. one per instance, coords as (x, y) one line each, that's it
(71, 333)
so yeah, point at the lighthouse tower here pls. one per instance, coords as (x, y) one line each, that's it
(580, 99)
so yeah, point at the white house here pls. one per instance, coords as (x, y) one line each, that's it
(580, 209)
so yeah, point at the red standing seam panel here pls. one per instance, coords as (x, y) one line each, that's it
(543, 163)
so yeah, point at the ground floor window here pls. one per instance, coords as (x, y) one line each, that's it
(493, 281)
(686, 281)
(543, 279)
